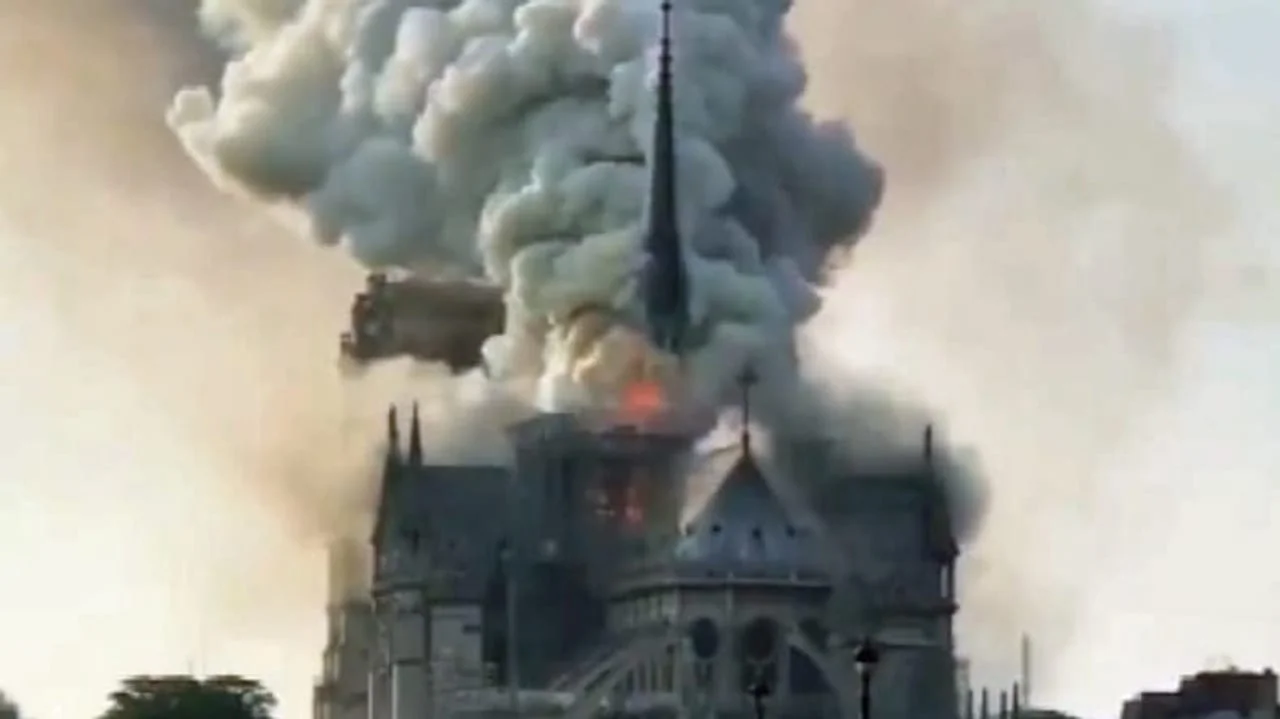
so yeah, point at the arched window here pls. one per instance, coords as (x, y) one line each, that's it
(704, 637)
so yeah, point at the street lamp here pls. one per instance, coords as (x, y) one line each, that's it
(865, 660)
(506, 555)
(758, 691)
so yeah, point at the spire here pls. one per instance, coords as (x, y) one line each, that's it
(662, 189)
(415, 439)
(666, 281)
(393, 438)
(390, 473)
(746, 381)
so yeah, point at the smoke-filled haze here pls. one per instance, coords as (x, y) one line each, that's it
(1041, 270)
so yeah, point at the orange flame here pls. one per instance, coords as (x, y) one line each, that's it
(642, 400)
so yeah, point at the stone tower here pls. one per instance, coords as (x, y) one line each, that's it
(342, 691)
(434, 557)
(591, 497)
(898, 585)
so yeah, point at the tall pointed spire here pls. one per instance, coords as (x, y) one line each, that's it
(393, 438)
(666, 280)
(391, 467)
(415, 439)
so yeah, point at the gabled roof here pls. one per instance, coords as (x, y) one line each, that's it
(745, 528)
(458, 511)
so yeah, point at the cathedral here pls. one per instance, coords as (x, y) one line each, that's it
(582, 580)
(612, 567)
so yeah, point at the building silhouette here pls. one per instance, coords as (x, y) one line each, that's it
(1251, 695)
(575, 582)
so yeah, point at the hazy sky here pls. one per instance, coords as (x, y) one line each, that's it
(1207, 470)
(116, 516)
(1205, 596)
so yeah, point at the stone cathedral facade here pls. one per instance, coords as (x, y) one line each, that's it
(581, 580)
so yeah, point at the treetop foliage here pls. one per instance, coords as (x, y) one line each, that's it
(187, 697)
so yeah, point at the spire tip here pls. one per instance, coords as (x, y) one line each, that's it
(415, 438)
(746, 380)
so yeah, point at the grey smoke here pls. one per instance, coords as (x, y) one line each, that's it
(482, 138)
(857, 428)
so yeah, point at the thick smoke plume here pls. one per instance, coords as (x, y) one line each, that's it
(506, 140)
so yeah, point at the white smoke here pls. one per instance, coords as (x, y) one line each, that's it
(505, 139)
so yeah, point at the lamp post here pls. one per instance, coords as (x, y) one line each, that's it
(758, 691)
(865, 660)
(507, 555)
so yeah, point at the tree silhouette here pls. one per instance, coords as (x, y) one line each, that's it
(8, 709)
(185, 697)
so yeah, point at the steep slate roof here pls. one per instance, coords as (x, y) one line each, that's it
(458, 510)
(745, 528)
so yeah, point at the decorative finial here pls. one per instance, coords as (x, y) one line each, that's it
(393, 432)
(415, 439)
(746, 381)
(664, 53)
(666, 27)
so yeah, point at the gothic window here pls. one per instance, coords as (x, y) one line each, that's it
(600, 504)
(405, 603)
(632, 508)
(669, 670)
(704, 638)
(758, 652)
